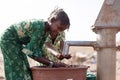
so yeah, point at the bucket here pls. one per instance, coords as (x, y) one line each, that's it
(62, 73)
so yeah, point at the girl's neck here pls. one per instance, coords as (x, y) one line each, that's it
(47, 26)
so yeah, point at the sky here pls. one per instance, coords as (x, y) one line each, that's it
(82, 14)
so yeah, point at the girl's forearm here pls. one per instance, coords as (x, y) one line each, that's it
(55, 53)
(51, 49)
(42, 60)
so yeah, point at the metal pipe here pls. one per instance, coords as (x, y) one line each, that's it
(81, 43)
(76, 43)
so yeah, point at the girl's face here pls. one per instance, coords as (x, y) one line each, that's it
(56, 27)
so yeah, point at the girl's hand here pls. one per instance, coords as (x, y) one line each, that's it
(68, 56)
(60, 56)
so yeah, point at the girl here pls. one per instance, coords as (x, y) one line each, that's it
(28, 38)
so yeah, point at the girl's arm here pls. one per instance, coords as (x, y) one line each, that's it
(49, 63)
(53, 51)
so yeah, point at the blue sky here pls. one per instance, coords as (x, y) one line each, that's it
(82, 14)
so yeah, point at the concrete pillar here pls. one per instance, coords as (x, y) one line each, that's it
(106, 57)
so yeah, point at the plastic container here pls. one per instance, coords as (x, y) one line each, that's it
(91, 76)
(71, 73)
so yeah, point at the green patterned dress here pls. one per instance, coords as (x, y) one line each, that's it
(19, 40)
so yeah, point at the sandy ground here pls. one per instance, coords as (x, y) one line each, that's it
(81, 55)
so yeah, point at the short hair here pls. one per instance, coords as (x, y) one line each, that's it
(60, 14)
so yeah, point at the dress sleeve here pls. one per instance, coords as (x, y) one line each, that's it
(35, 47)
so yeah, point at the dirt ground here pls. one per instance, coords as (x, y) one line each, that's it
(80, 55)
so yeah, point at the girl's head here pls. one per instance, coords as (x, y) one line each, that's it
(59, 21)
